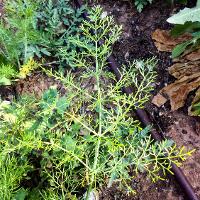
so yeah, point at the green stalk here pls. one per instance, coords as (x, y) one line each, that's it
(99, 99)
(25, 48)
(25, 41)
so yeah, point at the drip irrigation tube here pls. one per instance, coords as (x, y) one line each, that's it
(145, 120)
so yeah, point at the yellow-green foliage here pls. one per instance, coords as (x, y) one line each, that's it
(34, 29)
(7, 72)
(27, 68)
(11, 173)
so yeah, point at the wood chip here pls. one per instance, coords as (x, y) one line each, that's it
(179, 70)
(159, 100)
(194, 56)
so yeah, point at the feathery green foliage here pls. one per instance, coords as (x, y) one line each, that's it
(87, 138)
(58, 20)
(6, 73)
(11, 173)
(35, 28)
(18, 32)
(32, 29)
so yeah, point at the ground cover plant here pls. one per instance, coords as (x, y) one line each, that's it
(68, 146)
(32, 30)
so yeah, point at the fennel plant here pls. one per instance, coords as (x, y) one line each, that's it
(89, 137)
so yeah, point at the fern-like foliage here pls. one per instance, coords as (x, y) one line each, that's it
(17, 31)
(7, 72)
(88, 137)
(11, 173)
(36, 28)
(58, 20)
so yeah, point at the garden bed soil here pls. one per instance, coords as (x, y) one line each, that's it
(136, 43)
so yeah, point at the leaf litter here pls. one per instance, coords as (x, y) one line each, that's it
(186, 70)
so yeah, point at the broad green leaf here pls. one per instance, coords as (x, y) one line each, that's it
(198, 3)
(21, 194)
(196, 109)
(188, 27)
(179, 49)
(185, 15)
(68, 142)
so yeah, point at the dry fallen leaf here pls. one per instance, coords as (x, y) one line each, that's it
(179, 90)
(194, 56)
(186, 69)
(179, 70)
(165, 42)
(159, 100)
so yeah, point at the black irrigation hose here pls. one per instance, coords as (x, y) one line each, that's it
(144, 118)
